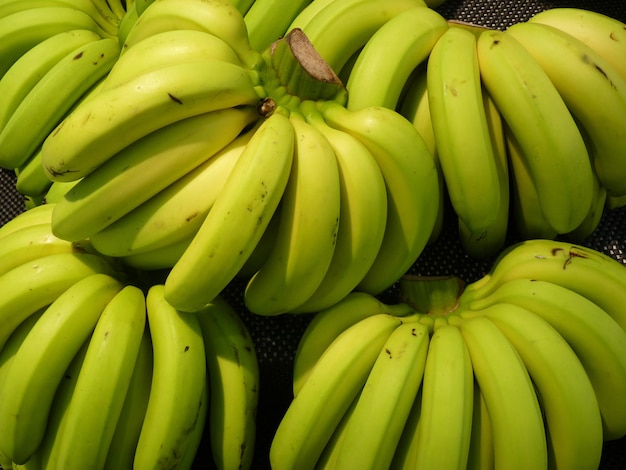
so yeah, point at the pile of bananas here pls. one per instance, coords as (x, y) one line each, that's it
(77, 336)
(523, 368)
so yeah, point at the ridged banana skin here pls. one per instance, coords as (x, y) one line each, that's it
(566, 395)
(238, 218)
(21, 31)
(233, 371)
(52, 97)
(178, 399)
(307, 13)
(336, 379)
(112, 120)
(141, 170)
(218, 17)
(464, 145)
(340, 29)
(38, 366)
(261, 31)
(127, 22)
(533, 109)
(588, 272)
(307, 231)
(176, 212)
(480, 455)
(447, 402)
(598, 341)
(374, 429)
(389, 57)
(177, 46)
(412, 184)
(362, 216)
(37, 283)
(328, 457)
(32, 66)
(519, 437)
(121, 451)
(103, 382)
(604, 34)
(597, 98)
(329, 323)
(404, 457)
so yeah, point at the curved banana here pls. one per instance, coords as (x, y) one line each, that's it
(114, 119)
(519, 437)
(31, 179)
(238, 218)
(23, 30)
(219, 17)
(328, 457)
(37, 283)
(480, 455)
(178, 402)
(329, 323)
(164, 257)
(41, 214)
(166, 48)
(374, 428)
(447, 402)
(38, 366)
(339, 29)
(591, 222)
(57, 190)
(141, 170)
(586, 271)
(464, 145)
(307, 231)
(307, 13)
(334, 382)
(128, 22)
(604, 34)
(362, 215)
(597, 98)
(33, 65)
(552, 145)
(598, 341)
(389, 57)
(234, 383)
(566, 395)
(412, 184)
(404, 457)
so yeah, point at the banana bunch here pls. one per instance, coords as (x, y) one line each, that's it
(95, 373)
(523, 368)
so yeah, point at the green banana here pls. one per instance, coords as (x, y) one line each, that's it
(238, 218)
(31, 179)
(263, 31)
(404, 457)
(480, 455)
(41, 214)
(307, 13)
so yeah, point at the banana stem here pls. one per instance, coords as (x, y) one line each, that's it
(432, 295)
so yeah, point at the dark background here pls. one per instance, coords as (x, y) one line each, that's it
(276, 338)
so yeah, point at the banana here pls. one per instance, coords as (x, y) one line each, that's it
(363, 215)
(31, 179)
(586, 271)
(23, 30)
(339, 29)
(242, 5)
(309, 218)
(374, 429)
(604, 34)
(117, 7)
(233, 371)
(144, 168)
(447, 402)
(412, 184)
(164, 257)
(404, 457)
(328, 457)
(127, 22)
(261, 30)
(307, 13)
(598, 341)
(121, 451)
(176, 212)
(218, 17)
(387, 59)
(33, 65)
(238, 218)
(597, 98)
(594, 216)
(334, 382)
(480, 456)
(114, 119)
(38, 366)
(52, 97)
(142, 5)
(532, 108)
(464, 145)
(37, 283)
(178, 401)
(566, 395)
(41, 214)
(103, 382)
(168, 48)
(329, 323)
(519, 437)
(57, 190)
